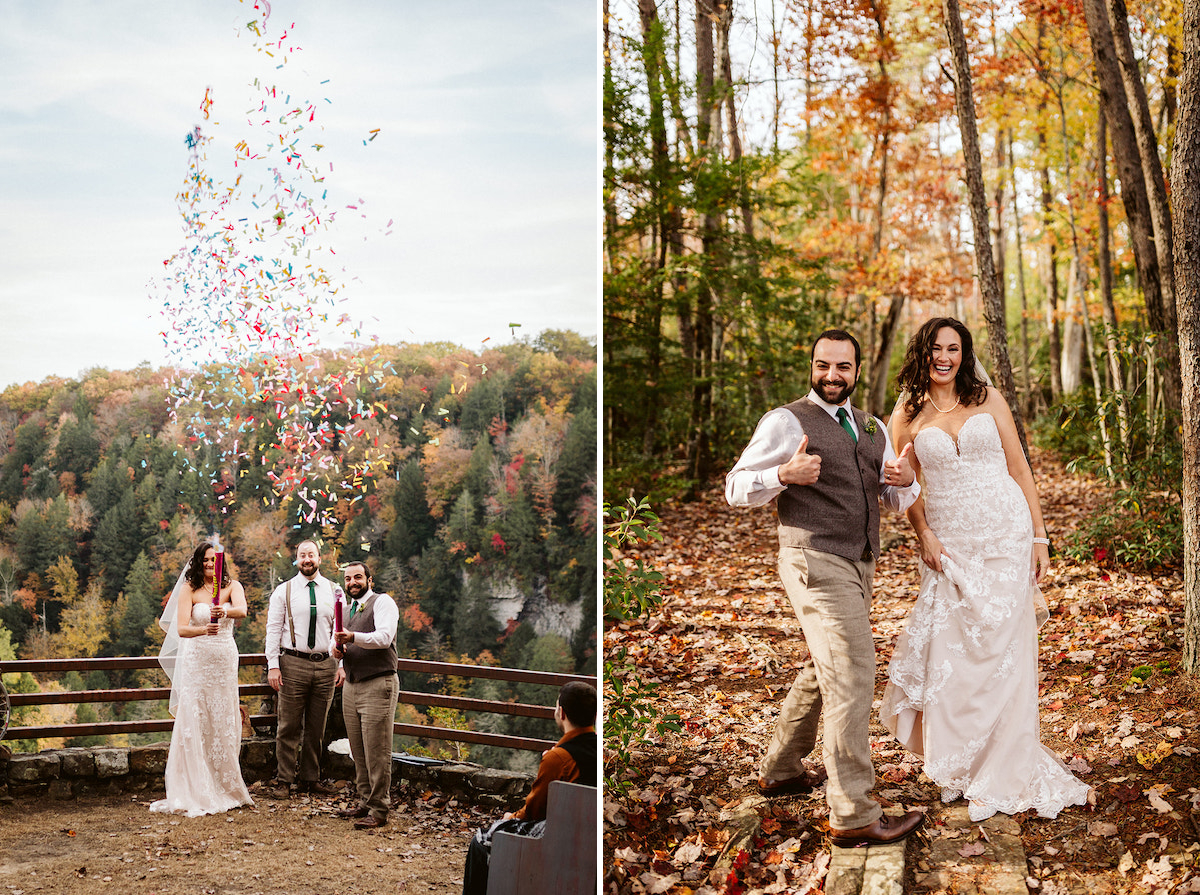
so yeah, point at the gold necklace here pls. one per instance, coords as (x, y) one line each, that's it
(938, 409)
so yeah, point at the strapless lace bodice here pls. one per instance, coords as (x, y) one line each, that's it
(200, 616)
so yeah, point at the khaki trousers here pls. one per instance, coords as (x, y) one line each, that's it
(369, 710)
(305, 694)
(832, 598)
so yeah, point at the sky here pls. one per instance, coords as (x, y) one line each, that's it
(464, 134)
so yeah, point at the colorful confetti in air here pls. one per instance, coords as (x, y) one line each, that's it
(249, 300)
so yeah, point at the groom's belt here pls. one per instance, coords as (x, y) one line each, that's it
(313, 657)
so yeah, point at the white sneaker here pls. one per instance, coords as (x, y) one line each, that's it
(979, 813)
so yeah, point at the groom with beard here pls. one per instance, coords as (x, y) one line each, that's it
(367, 650)
(827, 465)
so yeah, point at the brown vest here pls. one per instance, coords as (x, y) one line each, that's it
(363, 664)
(839, 513)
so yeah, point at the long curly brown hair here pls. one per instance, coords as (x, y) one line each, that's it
(195, 568)
(914, 373)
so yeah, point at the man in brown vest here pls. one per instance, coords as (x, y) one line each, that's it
(827, 465)
(367, 649)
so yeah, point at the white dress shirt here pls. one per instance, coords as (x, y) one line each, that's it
(387, 618)
(278, 633)
(754, 479)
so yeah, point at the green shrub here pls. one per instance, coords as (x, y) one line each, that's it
(631, 591)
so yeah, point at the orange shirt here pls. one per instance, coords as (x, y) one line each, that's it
(557, 764)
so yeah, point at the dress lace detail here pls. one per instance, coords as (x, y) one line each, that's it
(962, 683)
(204, 775)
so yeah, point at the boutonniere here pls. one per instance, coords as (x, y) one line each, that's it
(870, 428)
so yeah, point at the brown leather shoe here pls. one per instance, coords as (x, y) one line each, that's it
(886, 829)
(370, 822)
(279, 790)
(799, 785)
(357, 811)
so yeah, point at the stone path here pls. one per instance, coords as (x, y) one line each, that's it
(962, 857)
(970, 859)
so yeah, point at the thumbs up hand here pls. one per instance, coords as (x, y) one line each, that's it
(803, 468)
(899, 472)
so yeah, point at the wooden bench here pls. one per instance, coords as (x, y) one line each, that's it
(563, 861)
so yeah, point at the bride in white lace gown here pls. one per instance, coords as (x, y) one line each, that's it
(203, 775)
(963, 681)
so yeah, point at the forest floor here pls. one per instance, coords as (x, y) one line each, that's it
(296, 847)
(723, 650)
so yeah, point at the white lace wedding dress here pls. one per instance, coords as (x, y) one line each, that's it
(204, 775)
(963, 681)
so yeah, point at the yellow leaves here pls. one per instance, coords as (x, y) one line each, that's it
(1149, 760)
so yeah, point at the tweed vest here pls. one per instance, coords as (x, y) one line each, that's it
(839, 513)
(362, 664)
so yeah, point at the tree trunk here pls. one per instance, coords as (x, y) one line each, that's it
(1185, 177)
(1169, 91)
(1106, 294)
(1073, 338)
(1071, 373)
(880, 350)
(999, 239)
(1051, 247)
(993, 313)
(759, 315)
(1026, 385)
(610, 207)
(882, 362)
(1134, 194)
(708, 130)
(1156, 187)
(664, 232)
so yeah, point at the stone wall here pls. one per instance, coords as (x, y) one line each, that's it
(110, 770)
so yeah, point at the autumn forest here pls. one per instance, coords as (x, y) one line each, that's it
(478, 513)
(775, 169)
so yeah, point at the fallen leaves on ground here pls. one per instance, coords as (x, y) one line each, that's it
(726, 645)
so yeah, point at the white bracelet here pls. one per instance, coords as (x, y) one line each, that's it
(1045, 541)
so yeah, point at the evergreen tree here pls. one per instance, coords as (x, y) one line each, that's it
(78, 448)
(42, 484)
(43, 535)
(576, 468)
(142, 605)
(118, 541)
(439, 585)
(27, 453)
(414, 526)
(524, 548)
(484, 403)
(461, 525)
(479, 473)
(105, 487)
(475, 630)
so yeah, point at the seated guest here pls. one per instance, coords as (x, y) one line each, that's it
(572, 759)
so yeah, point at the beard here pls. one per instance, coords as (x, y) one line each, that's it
(832, 391)
(356, 590)
(308, 568)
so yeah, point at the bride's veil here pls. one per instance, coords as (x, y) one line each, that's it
(169, 622)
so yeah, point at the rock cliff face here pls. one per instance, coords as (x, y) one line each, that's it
(547, 616)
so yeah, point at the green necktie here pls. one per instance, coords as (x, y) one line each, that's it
(312, 614)
(353, 607)
(844, 419)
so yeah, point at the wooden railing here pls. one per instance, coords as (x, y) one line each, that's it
(448, 669)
